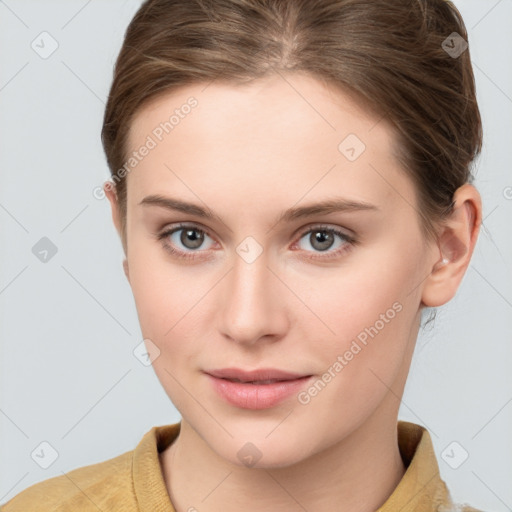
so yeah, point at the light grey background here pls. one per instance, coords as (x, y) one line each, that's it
(69, 326)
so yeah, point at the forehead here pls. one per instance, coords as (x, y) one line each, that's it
(296, 101)
(287, 132)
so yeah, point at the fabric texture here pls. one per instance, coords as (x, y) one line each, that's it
(133, 481)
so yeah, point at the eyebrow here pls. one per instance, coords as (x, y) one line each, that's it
(298, 212)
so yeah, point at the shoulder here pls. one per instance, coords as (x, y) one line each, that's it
(459, 507)
(102, 486)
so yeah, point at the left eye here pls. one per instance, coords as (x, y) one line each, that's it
(323, 238)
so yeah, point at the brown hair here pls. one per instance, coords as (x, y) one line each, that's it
(394, 55)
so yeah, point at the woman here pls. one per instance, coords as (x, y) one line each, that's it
(292, 188)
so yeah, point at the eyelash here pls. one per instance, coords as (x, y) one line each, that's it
(350, 241)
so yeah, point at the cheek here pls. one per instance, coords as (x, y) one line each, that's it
(355, 295)
(369, 307)
(169, 301)
(160, 288)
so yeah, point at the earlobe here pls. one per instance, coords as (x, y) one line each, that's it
(456, 242)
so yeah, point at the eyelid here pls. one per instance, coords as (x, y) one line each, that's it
(328, 227)
(299, 232)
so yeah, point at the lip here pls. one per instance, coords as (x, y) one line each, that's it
(251, 389)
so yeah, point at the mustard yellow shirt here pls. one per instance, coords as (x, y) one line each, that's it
(133, 481)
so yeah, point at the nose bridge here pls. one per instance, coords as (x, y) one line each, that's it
(250, 309)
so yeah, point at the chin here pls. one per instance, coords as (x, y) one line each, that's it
(252, 457)
(256, 449)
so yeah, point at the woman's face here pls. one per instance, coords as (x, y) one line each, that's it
(256, 282)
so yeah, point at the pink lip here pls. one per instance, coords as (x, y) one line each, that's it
(258, 395)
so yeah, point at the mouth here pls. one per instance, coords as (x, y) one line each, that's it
(256, 389)
(259, 376)
(259, 382)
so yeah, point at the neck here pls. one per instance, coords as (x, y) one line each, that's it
(358, 473)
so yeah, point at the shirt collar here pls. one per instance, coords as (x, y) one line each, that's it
(148, 481)
(420, 489)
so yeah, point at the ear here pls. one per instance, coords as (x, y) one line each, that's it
(456, 242)
(109, 189)
(126, 269)
(110, 192)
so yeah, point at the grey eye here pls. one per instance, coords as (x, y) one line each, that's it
(323, 239)
(189, 237)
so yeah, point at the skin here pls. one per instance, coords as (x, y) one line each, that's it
(248, 153)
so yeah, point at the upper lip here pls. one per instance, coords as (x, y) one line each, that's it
(261, 374)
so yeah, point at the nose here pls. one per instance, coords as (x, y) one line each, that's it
(254, 306)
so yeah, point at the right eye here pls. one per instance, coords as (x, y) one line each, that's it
(188, 236)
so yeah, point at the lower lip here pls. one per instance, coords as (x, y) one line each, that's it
(257, 396)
